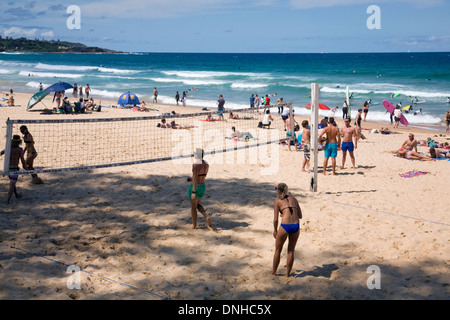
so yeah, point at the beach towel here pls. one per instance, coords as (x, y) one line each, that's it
(412, 173)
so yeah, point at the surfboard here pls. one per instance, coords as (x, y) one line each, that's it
(406, 108)
(396, 95)
(419, 102)
(391, 109)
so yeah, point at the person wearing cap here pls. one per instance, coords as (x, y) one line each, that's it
(16, 155)
(289, 210)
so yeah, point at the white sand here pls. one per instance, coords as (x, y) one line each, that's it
(132, 225)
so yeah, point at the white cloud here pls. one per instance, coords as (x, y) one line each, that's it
(164, 8)
(15, 32)
(421, 43)
(48, 34)
(308, 4)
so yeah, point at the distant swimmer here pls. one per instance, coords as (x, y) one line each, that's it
(448, 100)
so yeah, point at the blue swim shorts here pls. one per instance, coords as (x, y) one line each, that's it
(348, 146)
(330, 150)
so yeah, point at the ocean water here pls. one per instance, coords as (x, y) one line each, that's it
(374, 76)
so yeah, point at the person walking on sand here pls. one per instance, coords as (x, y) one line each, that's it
(358, 123)
(333, 140)
(16, 155)
(220, 107)
(30, 152)
(57, 96)
(87, 90)
(345, 110)
(177, 97)
(155, 96)
(306, 142)
(397, 116)
(447, 120)
(348, 133)
(197, 188)
(289, 210)
(366, 110)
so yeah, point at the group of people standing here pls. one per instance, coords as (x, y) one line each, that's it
(255, 101)
(182, 99)
(78, 91)
(17, 156)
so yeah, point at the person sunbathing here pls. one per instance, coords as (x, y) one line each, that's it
(173, 125)
(436, 153)
(413, 155)
(231, 116)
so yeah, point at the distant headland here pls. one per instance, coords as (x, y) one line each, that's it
(54, 46)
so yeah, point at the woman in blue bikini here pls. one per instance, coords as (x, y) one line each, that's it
(288, 208)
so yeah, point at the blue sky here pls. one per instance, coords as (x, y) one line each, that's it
(263, 26)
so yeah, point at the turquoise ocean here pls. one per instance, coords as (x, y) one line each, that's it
(374, 76)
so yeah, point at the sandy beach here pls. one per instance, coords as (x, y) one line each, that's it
(129, 231)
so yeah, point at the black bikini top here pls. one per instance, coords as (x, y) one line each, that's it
(290, 208)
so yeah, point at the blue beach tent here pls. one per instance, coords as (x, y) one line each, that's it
(128, 98)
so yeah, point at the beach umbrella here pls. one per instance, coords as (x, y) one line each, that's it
(321, 107)
(59, 86)
(128, 98)
(36, 98)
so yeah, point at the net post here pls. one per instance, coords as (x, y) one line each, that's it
(314, 135)
(9, 127)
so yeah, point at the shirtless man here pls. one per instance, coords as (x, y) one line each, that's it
(197, 188)
(409, 144)
(306, 142)
(287, 123)
(333, 140)
(348, 133)
(447, 120)
(17, 155)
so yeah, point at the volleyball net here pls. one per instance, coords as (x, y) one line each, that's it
(69, 143)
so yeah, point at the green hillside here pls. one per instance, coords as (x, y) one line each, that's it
(26, 45)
